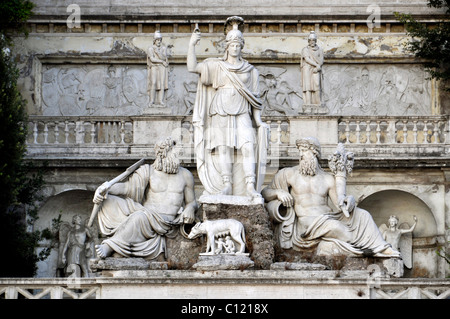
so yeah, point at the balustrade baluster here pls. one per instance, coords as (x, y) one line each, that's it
(358, 132)
(79, 132)
(368, 132)
(92, 132)
(45, 133)
(425, 132)
(392, 129)
(347, 131)
(100, 132)
(108, 130)
(56, 131)
(405, 131)
(114, 132)
(415, 131)
(35, 132)
(122, 132)
(436, 132)
(378, 134)
(66, 132)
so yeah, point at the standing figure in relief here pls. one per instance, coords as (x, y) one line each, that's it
(367, 92)
(227, 104)
(309, 221)
(140, 211)
(158, 74)
(112, 84)
(311, 70)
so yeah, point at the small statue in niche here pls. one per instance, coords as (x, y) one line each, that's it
(75, 248)
(400, 237)
(158, 70)
(311, 71)
(215, 229)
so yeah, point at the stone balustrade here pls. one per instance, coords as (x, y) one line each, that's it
(133, 137)
(394, 130)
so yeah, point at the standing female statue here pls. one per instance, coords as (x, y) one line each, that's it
(226, 112)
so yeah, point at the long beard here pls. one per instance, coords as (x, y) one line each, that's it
(168, 164)
(309, 166)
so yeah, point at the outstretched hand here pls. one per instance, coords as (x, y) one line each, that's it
(195, 38)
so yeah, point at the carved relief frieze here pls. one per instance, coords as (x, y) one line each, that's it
(348, 89)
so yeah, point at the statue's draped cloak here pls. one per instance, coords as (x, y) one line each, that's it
(138, 229)
(158, 73)
(366, 237)
(311, 80)
(225, 94)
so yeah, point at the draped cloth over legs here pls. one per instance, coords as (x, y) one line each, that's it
(365, 235)
(137, 230)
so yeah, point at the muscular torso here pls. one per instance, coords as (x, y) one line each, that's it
(166, 192)
(310, 194)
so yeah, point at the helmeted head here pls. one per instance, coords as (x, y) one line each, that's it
(235, 34)
(312, 38)
(157, 36)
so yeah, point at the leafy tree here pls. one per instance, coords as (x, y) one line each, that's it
(431, 43)
(19, 185)
(14, 15)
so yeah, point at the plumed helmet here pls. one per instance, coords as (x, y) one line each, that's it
(234, 23)
(312, 35)
(157, 36)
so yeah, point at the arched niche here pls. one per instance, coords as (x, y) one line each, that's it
(404, 205)
(67, 204)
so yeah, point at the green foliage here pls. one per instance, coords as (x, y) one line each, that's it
(431, 43)
(14, 14)
(19, 185)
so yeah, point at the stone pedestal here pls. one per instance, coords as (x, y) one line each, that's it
(224, 262)
(314, 109)
(252, 214)
(112, 263)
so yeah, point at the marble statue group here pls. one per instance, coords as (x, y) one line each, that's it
(230, 139)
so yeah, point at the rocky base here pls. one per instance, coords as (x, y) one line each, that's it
(252, 214)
